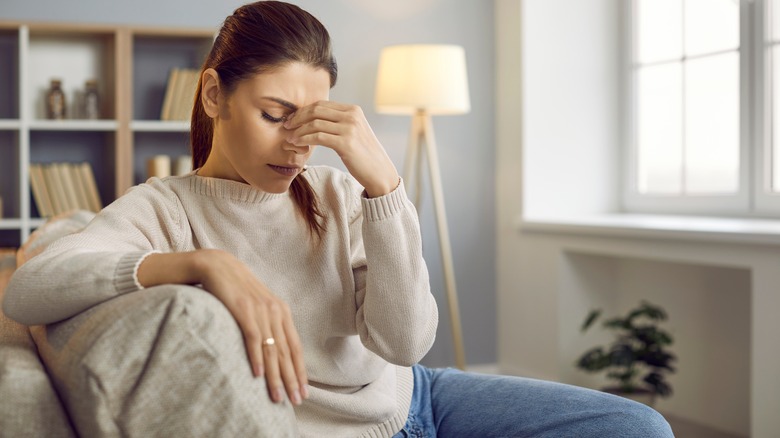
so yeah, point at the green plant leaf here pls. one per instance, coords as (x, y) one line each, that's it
(594, 359)
(636, 350)
(590, 319)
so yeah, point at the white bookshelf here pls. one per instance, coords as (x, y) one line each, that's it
(131, 65)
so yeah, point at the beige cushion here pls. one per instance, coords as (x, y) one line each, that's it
(29, 407)
(164, 361)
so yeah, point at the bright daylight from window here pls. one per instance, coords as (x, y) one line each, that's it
(687, 96)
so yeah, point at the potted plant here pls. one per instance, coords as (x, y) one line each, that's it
(637, 360)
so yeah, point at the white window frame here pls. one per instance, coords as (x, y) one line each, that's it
(766, 202)
(753, 197)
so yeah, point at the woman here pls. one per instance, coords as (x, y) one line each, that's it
(322, 272)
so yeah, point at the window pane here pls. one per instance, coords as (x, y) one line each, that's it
(659, 30)
(659, 129)
(711, 26)
(776, 118)
(774, 6)
(712, 124)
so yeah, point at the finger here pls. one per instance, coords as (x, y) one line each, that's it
(286, 367)
(323, 109)
(318, 125)
(296, 354)
(331, 141)
(252, 339)
(270, 357)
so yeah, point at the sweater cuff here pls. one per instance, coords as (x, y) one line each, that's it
(126, 277)
(384, 207)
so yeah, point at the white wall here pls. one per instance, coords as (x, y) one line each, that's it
(360, 28)
(571, 106)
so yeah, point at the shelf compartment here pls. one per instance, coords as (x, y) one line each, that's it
(153, 58)
(73, 57)
(149, 144)
(9, 77)
(9, 176)
(9, 236)
(94, 147)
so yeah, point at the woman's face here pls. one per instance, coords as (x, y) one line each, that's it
(249, 143)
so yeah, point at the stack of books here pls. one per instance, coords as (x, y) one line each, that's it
(179, 94)
(61, 187)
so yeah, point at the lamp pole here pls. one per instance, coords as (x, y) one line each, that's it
(422, 141)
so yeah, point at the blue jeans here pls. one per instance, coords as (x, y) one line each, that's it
(451, 403)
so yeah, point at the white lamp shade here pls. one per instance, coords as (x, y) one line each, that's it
(422, 77)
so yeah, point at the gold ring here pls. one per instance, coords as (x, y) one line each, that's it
(268, 342)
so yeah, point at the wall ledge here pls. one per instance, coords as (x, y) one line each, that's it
(692, 228)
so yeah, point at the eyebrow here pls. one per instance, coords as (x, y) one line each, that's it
(290, 105)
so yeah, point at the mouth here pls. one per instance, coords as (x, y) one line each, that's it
(285, 170)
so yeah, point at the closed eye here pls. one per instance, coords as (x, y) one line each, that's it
(273, 119)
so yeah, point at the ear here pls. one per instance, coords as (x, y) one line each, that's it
(209, 92)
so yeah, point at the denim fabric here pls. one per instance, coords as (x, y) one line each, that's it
(451, 403)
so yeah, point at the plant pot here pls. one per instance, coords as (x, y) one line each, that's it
(640, 395)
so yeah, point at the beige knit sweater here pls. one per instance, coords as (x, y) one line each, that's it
(360, 300)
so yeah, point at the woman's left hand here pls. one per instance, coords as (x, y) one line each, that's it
(344, 129)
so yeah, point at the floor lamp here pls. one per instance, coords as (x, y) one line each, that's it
(425, 80)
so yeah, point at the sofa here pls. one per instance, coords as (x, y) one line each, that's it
(164, 361)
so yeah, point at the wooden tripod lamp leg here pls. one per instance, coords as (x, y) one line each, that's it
(444, 240)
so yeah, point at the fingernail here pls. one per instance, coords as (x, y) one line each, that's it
(278, 396)
(296, 398)
(305, 391)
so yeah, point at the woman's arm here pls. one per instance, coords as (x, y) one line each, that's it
(83, 269)
(259, 313)
(397, 314)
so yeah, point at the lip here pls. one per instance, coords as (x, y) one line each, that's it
(285, 170)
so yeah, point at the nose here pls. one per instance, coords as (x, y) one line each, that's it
(295, 148)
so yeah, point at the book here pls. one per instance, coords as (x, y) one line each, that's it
(88, 180)
(67, 186)
(55, 188)
(179, 94)
(187, 97)
(40, 191)
(78, 187)
(71, 201)
(173, 76)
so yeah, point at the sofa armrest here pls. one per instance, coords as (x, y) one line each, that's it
(30, 405)
(164, 361)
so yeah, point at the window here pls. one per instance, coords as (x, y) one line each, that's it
(701, 124)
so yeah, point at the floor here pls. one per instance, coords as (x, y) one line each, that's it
(686, 429)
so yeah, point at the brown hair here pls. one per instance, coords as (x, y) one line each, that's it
(257, 38)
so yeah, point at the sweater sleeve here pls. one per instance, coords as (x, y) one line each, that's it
(397, 315)
(98, 263)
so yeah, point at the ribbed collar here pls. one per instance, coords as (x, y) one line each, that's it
(228, 189)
